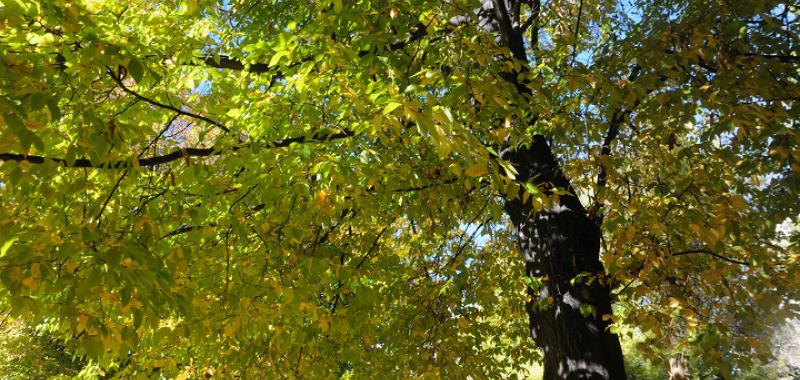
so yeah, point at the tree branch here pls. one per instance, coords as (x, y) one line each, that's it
(374, 245)
(712, 253)
(320, 136)
(779, 57)
(186, 228)
(614, 126)
(179, 111)
(226, 62)
(536, 11)
(576, 31)
(461, 246)
(229, 63)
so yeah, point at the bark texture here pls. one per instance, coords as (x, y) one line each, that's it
(558, 245)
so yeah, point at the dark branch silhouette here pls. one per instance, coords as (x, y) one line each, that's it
(712, 253)
(179, 111)
(320, 136)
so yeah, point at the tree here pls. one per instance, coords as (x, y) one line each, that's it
(313, 189)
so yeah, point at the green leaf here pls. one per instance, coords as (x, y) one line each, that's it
(276, 58)
(7, 245)
(588, 310)
(37, 142)
(391, 106)
(531, 189)
(52, 106)
(136, 69)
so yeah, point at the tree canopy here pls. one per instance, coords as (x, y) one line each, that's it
(312, 189)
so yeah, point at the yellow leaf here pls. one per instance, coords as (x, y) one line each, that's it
(443, 148)
(500, 101)
(712, 236)
(81, 324)
(231, 328)
(190, 6)
(325, 323)
(737, 201)
(691, 318)
(657, 227)
(322, 198)
(511, 171)
(36, 270)
(33, 124)
(244, 303)
(6, 246)
(478, 97)
(780, 152)
(475, 170)
(455, 169)
(630, 233)
(390, 107)
(741, 134)
(29, 282)
(127, 263)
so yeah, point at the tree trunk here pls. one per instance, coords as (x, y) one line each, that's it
(558, 244)
(565, 315)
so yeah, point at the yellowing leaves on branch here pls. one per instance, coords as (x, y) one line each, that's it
(418, 189)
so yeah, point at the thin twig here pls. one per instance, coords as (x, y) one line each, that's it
(374, 245)
(712, 253)
(118, 79)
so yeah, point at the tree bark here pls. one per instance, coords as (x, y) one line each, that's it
(558, 244)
